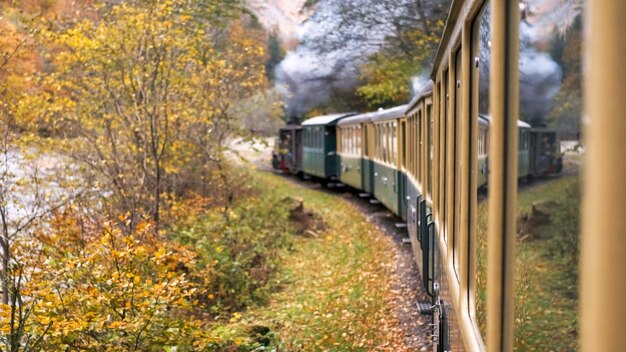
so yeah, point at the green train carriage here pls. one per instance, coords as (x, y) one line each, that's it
(319, 151)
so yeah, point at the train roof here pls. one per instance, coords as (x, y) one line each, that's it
(520, 123)
(386, 114)
(290, 127)
(424, 92)
(326, 119)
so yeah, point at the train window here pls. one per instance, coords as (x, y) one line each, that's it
(385, 143)
(458, 150)
(379, 129)
(543, 110)
(306, 138)
(393, 144)
(431, 150)
(357, 139)
(352, 141)
(444, 152)
(420, 139)
(390, 142)
(403, 141)
(354, 145)
(481, 52)
(377, 139)
(349, 140)
(342, 140)
(413, 146)
(321, 137)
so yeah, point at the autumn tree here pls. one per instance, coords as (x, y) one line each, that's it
(27, 197)
(567, 110)
(144, 90)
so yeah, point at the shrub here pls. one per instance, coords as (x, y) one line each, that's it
(565, 228)
(242, 249)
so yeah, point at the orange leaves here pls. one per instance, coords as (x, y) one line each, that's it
(120, 288)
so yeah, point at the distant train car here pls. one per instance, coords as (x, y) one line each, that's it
(287, 153)
(370, 155)
(353, 152)
(523, 167)
(319, 152)
(544, 153)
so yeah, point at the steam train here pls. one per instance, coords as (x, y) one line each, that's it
(425, 161)
(390, 154)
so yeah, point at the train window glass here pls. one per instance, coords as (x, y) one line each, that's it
(445, 151)
(415, 146)
(320, 136)
(392, 143)
(356, 140)
(354, 146)
(420, 142)
(439, 146)
(385, 143)
(481, 52)
(317, 138)
(365, 139)
(359, 140)
(553, 115)
(412, 145)
(306, 138)
(340, 138)
(375, 141)
(352, 141)
(380, 142)
(431, 150)
(403, 143)
(526, 140)
(349, 140)
(458, 149)
(389, 143)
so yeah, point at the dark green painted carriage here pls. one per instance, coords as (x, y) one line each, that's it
(319, 152)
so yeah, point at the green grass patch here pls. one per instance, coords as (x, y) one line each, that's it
(546, 271)
(325, 293)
